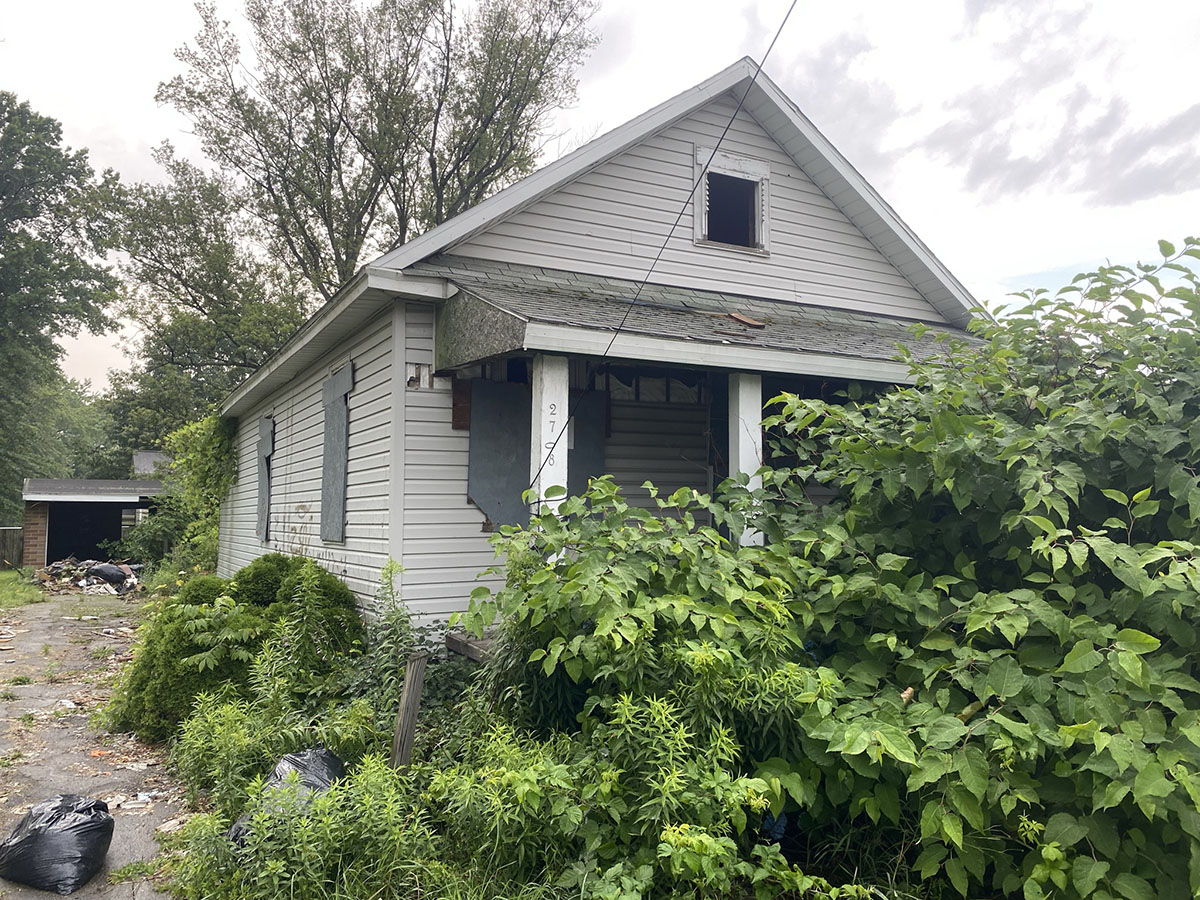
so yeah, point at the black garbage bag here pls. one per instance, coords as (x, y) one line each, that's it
(316, 769)
(110, 573)
(59, 845)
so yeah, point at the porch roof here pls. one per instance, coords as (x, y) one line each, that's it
(503, 307)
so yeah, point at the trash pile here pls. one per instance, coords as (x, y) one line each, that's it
(70, 576)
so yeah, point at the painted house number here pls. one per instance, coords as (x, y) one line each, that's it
(549, 445)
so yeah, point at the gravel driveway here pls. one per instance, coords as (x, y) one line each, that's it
(57, 664)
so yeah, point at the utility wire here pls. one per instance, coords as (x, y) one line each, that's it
(662, 249)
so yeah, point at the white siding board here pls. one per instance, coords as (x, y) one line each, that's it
(445, 547)
(664, 443)
(297, 465)
(612, 220)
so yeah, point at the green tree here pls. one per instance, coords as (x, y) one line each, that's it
(210, 303)
(53, 222)
(356, 125)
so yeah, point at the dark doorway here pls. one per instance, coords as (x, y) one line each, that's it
(77, 529)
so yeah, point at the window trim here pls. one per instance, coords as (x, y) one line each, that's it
(737, 166)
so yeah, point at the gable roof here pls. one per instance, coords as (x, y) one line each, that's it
(779, 116)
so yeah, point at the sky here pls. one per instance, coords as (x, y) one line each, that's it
(1023, 140)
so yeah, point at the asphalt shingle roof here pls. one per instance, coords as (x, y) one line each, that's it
(600, 303)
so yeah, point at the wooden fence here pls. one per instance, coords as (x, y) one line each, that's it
(12, 544)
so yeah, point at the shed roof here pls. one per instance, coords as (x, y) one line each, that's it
(563, 310)
(90, 490)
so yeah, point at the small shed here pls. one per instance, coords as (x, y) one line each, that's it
(73, 517)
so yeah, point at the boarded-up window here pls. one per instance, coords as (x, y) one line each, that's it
(266, 449)
(336, 453)
(498, 465)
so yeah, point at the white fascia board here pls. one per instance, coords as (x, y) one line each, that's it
(369, 279)
(965, 304)
(86, 498)
(590, 342)
(549, 178)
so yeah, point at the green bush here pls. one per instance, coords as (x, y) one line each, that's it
(260, 583)
(183, 650)
(228, 742)
(204, 640)
(976, 675)
(202, 590)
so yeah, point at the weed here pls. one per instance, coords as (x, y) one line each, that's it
(16, 590)
(46, 648)
(7, 695)
(27, 719)
(10, 759)
(103, 652)
(54, 674)
(20, 679)
(138, 870)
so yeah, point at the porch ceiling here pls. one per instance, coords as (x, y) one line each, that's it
(503, 308)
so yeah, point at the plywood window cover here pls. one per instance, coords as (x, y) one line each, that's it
(733, 165)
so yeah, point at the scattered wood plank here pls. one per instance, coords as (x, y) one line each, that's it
(410, 704)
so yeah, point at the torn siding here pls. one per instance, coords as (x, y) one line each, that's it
(445, 546)
(297, 463)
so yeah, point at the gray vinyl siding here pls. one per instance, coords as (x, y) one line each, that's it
(295, 509)
(663, 443)
(444, 545)
(611, 221)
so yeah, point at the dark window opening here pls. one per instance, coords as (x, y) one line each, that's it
(732, 210)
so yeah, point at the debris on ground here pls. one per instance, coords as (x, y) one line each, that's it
(59, 844)
(70, 576)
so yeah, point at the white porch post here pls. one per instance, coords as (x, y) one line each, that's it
(551, 386)
(745, 433)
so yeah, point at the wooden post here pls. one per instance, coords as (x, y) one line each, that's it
(406, 716)
(547, 452)
(745, 434)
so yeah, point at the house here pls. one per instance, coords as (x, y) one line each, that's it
(75, 517)
(408, 415)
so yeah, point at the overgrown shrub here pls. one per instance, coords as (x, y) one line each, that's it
(260, 582)
(309, 685)
(204, 639)
(202, 590)
(183, 650)
(984, 657)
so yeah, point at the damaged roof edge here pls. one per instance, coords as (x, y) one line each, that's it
(628, 345)
(370, 283)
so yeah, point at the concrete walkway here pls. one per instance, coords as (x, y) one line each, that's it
(58, 660)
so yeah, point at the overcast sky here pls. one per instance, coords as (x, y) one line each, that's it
(1023, 140)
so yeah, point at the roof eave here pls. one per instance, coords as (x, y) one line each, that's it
(552, 176)
(371, 285)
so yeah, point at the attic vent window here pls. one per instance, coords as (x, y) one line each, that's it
(732, 210)
(733, 202)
